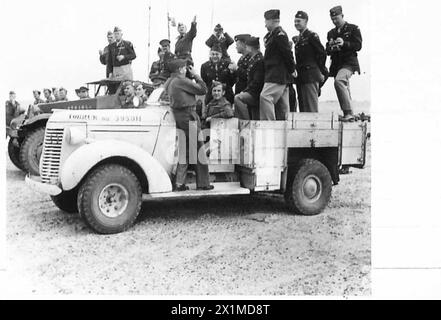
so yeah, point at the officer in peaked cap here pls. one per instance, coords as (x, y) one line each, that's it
(311, 59)
(243, 62)
(166, 57)
(279, 69)
(120, 56)
(344, 41)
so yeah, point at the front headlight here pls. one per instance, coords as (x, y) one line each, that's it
(75, 135)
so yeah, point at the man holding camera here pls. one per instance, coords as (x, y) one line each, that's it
(343, 43)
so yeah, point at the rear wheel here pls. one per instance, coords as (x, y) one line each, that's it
(309, 187)
(67, 201)
(30, 151)
(14, 153)
(110, 199)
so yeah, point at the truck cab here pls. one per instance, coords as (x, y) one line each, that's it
(104, 164)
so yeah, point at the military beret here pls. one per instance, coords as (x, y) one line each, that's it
(216, 47)
(253, 42)
(301, 15)
(164, 42)
(272, 14)
(336, 11)
(36, 91)
(175, 64)
(242, 37)
(110, 33)
(117, 29)
(218, 27)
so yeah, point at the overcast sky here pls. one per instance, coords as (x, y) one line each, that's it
(55, 43)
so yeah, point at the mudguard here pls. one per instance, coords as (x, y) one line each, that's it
(32, 120)
(79, 163)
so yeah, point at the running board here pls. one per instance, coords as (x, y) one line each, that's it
(220, 189)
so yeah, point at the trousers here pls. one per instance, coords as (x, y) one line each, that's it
(274, 101)
(308, 96)
(246, 107)
(189, 124)
(123, 72)
(341, 84)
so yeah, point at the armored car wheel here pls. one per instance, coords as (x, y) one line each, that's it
(110, 199)
(30, 151)
(67, 201)
(14, 153)
(309, 187)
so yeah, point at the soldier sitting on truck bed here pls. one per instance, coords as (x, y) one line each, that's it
(130, 99)
(218, 107)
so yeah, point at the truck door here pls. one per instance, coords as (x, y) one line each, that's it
(353, 137)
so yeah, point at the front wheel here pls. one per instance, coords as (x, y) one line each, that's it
(309, 187)
(110, 199)
(30, 151)
(14, 153)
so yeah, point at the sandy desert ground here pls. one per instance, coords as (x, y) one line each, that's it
(244, 245)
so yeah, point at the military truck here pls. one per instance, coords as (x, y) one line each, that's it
(104, 164)
(26, 132)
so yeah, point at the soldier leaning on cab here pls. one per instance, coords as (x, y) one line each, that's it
(182, 92)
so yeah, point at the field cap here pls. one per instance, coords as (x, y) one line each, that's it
(253, 42)
(336, 11)
(301, 15)
(242, 37)
(11, 92)
(272, 14)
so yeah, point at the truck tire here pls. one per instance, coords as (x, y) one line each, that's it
(14, 154)
(110, 198)
(309, 187)
(30, 151)
(67, 201)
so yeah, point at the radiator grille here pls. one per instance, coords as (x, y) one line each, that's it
(51, 156)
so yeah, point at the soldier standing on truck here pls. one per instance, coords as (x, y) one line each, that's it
(279, 69)
(310, 60)
(242, 65)
(343, 43)
(182, 92)
(120, 57)
(184, 43)
(104, 53)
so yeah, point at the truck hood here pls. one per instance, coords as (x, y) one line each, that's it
(151, 115)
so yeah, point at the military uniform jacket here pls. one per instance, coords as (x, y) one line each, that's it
(242, 72)
(12, 111)
(218, 72)
(256, 75)
(310, 58)
(155, 70)
(184, 44)
(278, 58)
(224, 42)
(346, 56)
(124, 48)
(218, 109)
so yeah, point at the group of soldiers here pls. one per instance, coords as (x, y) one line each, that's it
(263, 81)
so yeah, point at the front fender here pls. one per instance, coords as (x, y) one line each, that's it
(37, 118)
(79, 163)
